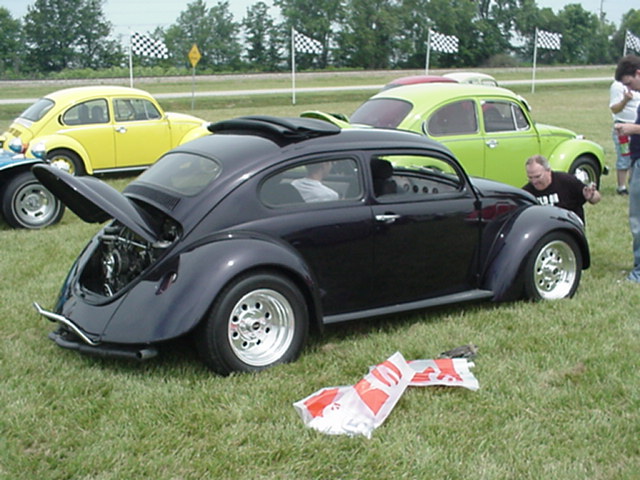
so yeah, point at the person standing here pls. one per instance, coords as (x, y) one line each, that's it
(623, 104)
(628, 73)
(558, 188)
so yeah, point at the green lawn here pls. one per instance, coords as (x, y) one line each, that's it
(559, 390)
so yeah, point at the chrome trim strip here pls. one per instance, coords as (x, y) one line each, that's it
(54, 317)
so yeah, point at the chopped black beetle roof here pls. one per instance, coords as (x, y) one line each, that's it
(281, 130)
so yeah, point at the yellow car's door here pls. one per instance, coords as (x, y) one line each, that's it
(89, 124)
(142, 132)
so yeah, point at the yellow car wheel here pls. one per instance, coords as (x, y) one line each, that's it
(66, 160)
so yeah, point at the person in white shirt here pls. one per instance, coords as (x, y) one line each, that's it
(311, 187)
(623, 103)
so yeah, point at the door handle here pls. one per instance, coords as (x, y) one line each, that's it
(121, 129)
(387, 218)
(492, 143)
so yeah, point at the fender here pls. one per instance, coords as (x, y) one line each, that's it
(57, 141)
(175, 300)
(518, 237)
(565, 153)
(10, 162)
(10, 168)
(194, 133)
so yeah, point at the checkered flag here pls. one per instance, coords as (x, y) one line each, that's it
(443, 43)
(548, 40)
(631, 42)
(148, 47)
(304, 44)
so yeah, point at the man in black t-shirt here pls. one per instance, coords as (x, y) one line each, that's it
(558, 188)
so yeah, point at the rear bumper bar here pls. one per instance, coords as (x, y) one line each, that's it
(71, 337)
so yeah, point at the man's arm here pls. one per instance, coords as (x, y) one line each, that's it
(628, 128)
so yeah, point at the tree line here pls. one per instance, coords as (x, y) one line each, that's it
(58, 35)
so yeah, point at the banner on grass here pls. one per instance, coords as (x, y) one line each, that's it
(361, 408)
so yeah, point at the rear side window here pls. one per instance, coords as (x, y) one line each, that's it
(456, 118)
(38, 110)
(183, 173)
(327, 180)
(85, 113)
(381, 112)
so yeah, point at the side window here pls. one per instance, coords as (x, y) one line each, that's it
(132, 109)
(313, 182)
(521, 119)
(453, 119)
(93, 111)
(497, 117)
(414, 177)
(503, 117)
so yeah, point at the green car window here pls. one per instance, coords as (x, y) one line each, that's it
(455, 118)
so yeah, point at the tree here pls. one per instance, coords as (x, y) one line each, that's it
(261, 34)
(448, 17)
(369, 38)
(66, 34)
(630, 22)
(212, 30)
(10, 41)
(225, 47)
(317, 19)
(584, 41)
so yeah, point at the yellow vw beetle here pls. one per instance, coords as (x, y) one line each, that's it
(89, 130)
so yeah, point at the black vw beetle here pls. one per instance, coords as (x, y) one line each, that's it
(248, 237)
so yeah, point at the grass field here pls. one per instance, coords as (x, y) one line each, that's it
(559, 396)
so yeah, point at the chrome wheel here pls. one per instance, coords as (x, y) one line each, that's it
(67, 161)
(28, 204)
(258, 320)
(586, 170)
(555, 270)
(261, 327)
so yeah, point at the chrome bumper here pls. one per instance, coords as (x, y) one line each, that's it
(54, 317)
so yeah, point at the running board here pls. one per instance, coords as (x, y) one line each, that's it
(466, 296)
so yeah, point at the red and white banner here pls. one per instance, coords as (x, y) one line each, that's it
(361, 408)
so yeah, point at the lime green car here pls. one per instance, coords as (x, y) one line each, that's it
(89, 130)
(489, 129)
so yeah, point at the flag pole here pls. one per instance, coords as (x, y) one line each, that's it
(293, 68)
(130, 62)
(535, 57)
(426, 62)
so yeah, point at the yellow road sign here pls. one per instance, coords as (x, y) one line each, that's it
(194, 55)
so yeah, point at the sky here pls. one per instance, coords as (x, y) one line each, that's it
(146, 15)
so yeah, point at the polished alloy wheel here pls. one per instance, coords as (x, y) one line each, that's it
(261, 327)
(555, 270)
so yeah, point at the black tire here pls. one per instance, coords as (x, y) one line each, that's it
(554, 268)
(26, 203)
(257, 321)
(586, 169)
(67, 160)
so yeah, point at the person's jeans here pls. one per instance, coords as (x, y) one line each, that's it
(634, 218)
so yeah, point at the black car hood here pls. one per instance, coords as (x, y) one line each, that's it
(95, 202)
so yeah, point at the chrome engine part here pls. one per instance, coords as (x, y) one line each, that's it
(121, 257)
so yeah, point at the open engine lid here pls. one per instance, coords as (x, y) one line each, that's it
(94, 201)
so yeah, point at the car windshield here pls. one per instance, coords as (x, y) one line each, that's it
(183, 173)
(38, 110)
(381, 112)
